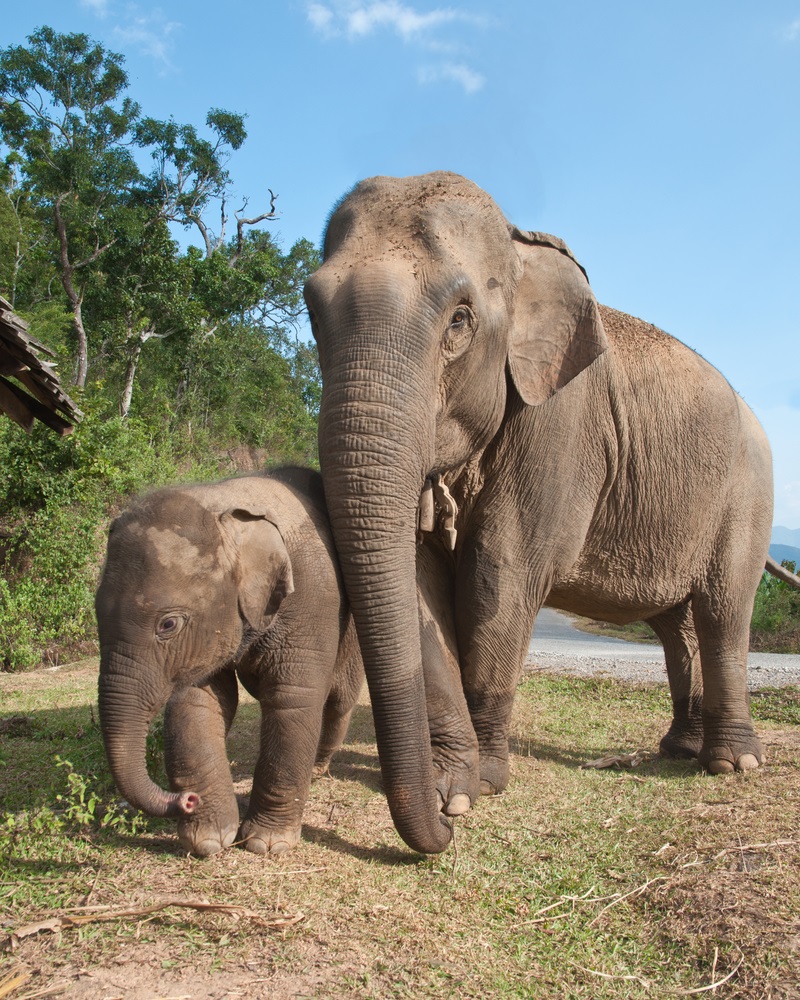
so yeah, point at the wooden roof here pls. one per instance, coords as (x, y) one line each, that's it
(35, 392)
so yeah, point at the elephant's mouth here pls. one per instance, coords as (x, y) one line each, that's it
(438, 511)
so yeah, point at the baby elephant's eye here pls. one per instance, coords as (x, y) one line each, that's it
(170, 625)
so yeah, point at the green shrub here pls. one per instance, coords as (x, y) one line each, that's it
(57, 497)
(775, 625)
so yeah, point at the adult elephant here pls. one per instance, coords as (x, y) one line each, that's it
(597, 464)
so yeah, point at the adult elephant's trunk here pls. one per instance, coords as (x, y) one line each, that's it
(371, 423)
(125, 717)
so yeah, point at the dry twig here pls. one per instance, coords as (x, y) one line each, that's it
(626, 895)
(647, 984)
(755, 847)
(719, 982)
(13, 980)
(618, 760)
(106, 914)
(607, 975)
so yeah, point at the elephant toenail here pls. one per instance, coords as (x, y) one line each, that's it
(747, 762)
(281, 847)
(256, 846)
(720, 767)
(487, 788)
(205, 848)
(458, 805)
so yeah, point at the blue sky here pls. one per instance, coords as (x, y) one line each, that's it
(662, 141)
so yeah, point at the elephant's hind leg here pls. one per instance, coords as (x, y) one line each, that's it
(348, 680)
(723, 631)
(675, 628)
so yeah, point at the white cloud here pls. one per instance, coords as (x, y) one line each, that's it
(357, 20)
(321, 18)
(148, 31)
(453, 73)
(151, 34)
(792, 32)
(98, 7)
(390, 14)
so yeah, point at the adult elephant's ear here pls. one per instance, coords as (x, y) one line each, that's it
(556, 330)
(261, 562)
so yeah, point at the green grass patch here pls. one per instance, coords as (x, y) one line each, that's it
(575, 883)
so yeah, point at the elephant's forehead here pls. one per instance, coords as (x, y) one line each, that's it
(178, 554)
(416, 214)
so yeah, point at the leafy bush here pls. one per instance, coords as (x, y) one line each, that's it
(775, 626)
(56, 497)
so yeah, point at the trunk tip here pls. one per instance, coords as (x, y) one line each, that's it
(187, 803)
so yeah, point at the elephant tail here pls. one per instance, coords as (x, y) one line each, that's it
(782, 573)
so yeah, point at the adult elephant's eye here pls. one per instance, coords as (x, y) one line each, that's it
(459, 330)
(170, 625)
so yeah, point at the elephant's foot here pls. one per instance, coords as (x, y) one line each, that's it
(268, 840)
(456, 778)
(731, 746)
(495, 772)
(322, 765)
(207, 837)
(683, 739)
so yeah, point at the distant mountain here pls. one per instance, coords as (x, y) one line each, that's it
(786, 536)
(781, 552)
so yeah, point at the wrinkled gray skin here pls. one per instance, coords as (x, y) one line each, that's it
(201, 584)
(599, 465)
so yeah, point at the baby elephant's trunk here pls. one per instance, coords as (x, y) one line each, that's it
(124, 720)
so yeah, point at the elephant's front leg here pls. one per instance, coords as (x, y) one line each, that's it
(454, 747)
(494, 621)
(292, 699)
(196, 723)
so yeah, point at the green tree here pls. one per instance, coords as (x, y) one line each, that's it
(63, 111)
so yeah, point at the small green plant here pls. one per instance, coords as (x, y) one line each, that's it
(79, 807)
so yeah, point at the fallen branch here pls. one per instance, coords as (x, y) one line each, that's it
(105, 915)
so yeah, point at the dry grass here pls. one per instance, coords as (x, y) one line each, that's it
(652, 881)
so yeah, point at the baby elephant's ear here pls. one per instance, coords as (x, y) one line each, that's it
(262, 564)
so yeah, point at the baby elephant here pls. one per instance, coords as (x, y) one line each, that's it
(202, 583)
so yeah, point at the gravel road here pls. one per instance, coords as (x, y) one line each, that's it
(558, 646)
